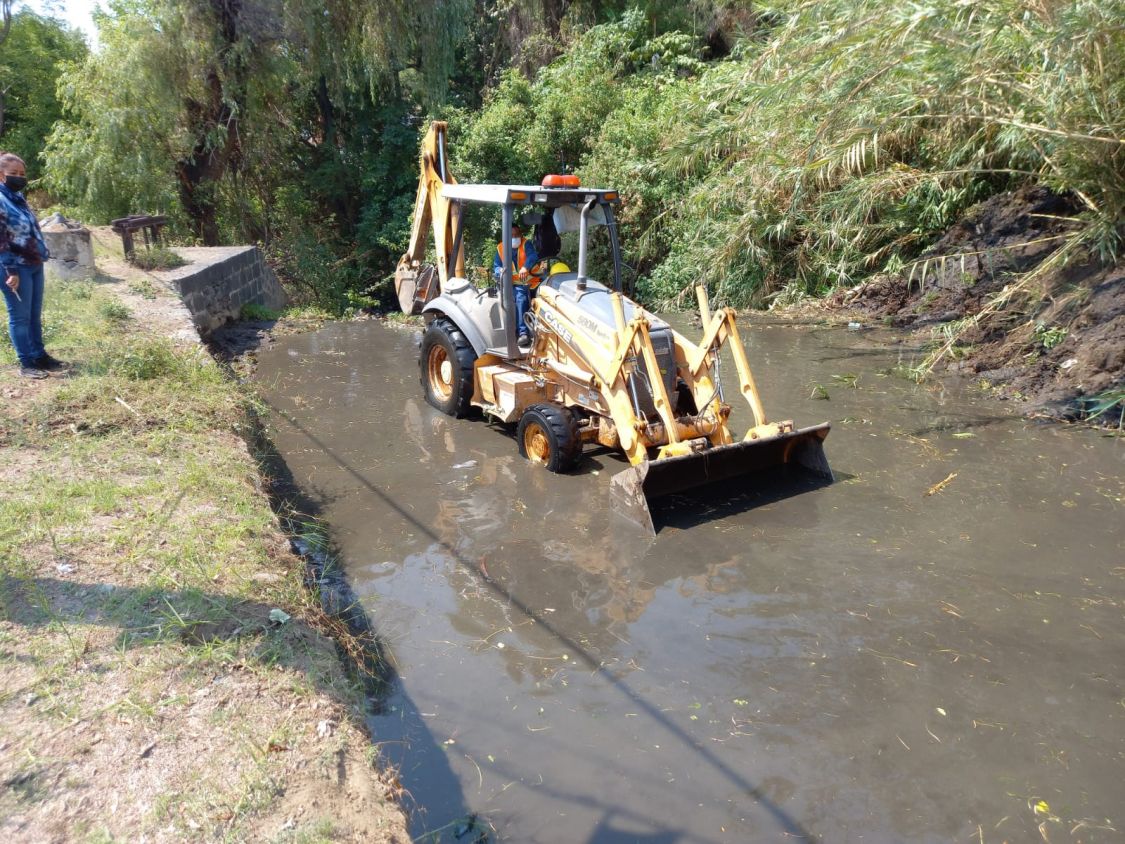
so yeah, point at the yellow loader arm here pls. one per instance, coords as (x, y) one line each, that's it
(697, 449)
(415, 282)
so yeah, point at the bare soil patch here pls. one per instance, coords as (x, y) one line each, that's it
(1057, 342)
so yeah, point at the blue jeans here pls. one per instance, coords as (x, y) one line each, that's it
(523, 305)
(25, 314)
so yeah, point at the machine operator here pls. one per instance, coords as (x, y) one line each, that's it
(524, 259)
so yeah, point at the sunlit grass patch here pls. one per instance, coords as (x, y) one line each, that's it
(151, 610)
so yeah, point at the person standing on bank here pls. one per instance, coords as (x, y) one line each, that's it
(22, 253)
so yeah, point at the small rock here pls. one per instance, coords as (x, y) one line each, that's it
(468, 464)
(855, 326)
(325, 728)
(64, 568)
(147, 749)
(30, 699)
(1068, 363)
(279, 616)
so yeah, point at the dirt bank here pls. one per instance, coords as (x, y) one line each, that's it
(997, 305)
(167, 675)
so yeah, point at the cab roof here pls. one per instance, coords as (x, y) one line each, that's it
(527, 195)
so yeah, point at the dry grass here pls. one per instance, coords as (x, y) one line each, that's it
(147, 690)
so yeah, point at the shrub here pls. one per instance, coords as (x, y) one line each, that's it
(258, 313)
(157, 258)
(114, 311)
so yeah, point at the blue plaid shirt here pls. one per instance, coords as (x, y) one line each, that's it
(21, 242)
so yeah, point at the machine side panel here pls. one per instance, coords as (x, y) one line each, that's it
(472, 313)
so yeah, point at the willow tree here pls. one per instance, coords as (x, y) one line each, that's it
(198, 106)
(158, 116)
(29, 69)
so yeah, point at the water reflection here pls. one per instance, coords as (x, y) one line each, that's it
(772, 667)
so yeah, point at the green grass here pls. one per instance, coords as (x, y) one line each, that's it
(258, 313)
(1107, 407)
(157, 258)
(139, 560)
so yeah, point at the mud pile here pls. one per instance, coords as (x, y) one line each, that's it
(1058, 343)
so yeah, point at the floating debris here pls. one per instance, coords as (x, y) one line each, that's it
(942, 484)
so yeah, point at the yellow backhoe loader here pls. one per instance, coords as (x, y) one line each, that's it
(600, 369)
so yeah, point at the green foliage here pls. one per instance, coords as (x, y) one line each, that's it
(528, 128)
(115, 153)
(150, 359)
(1107, 405)
(157, 258)
(258, 313)
(114, 312)
(841, 142)
(312, 269)
(773, 153)
(1049, 336)
(34, 54)
(835, 143)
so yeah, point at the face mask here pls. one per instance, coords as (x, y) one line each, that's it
(16, 183)
(515, 240)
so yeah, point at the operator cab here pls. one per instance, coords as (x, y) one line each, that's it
(569, 208)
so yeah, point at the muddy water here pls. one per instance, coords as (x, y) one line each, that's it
(860, 661)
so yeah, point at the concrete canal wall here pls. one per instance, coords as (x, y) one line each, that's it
(217, 281)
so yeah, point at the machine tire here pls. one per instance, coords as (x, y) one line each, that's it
(446, 362)
(548, 436)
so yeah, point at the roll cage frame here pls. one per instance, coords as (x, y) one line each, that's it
(511, 197)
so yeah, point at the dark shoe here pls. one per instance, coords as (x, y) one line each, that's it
(32, 372)
(524, 342)
(49, 363)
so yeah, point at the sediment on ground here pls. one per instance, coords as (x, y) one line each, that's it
(995, 301)
(168, 676)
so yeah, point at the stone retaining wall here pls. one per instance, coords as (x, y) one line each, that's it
(72, 253)
(218, 281)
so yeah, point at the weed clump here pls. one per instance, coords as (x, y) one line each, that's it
(258, 313)
(147, 360)
(157, 258)
(114, 311)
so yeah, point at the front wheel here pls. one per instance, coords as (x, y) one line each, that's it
(446, 362)
(548, 436)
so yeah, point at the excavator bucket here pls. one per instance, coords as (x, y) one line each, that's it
(415, 287)
(634, 489)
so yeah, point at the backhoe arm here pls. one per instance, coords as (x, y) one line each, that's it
(413, 284)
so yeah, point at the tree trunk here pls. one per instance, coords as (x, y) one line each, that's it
(5, 19)
(200, 172)
(327, 113)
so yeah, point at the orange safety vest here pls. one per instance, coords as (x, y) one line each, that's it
(521, 257)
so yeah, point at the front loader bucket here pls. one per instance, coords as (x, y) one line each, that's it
(633, 489)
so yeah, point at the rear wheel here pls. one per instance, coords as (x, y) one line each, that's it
(447, 362)
(548, 436)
